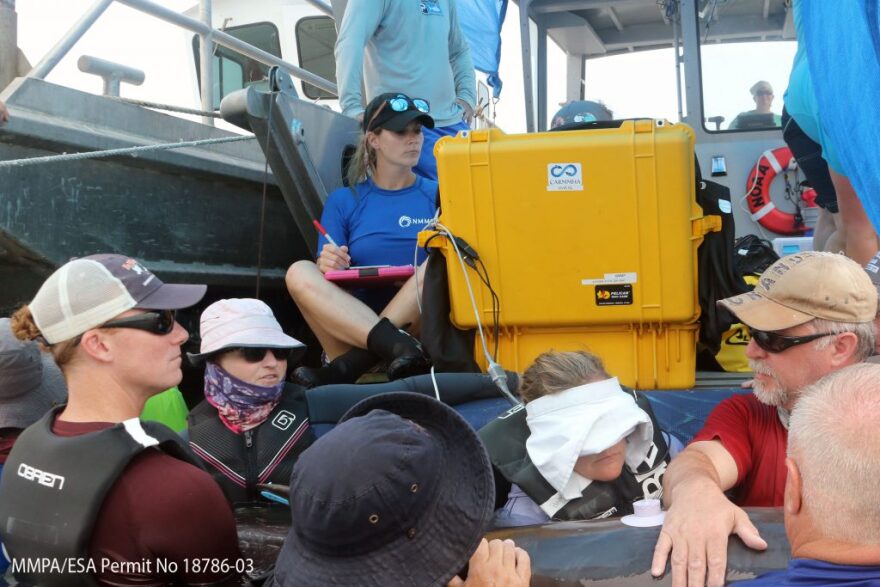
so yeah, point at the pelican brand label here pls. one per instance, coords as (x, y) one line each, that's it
(614, 295)
(564, 177)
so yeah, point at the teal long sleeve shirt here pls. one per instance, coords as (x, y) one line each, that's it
(410, 46)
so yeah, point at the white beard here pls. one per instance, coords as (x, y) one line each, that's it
(773, 394)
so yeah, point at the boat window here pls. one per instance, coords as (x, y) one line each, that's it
(650, 94)
(315, 40)
(743, 81)
(233, 71)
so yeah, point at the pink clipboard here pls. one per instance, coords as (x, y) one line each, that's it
(370, 276)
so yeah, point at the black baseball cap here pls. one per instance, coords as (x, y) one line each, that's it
(394, 111)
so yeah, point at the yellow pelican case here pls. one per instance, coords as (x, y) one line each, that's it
(590, 241)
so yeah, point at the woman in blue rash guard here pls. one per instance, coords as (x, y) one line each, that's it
(374, 222)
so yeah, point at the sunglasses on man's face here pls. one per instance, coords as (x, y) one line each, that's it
(776, 343)
(257, 354)
(763, 93)
(155, 322)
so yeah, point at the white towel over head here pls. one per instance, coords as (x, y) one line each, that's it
(582, 421)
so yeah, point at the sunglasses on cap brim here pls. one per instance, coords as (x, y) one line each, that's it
(401, 103)
(773, 342)
(155, 321)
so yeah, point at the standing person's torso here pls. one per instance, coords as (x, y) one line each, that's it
(409, 53)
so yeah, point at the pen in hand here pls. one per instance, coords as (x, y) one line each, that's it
(324, 233)
(327, 236)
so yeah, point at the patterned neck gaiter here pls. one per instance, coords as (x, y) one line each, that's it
(242, 406)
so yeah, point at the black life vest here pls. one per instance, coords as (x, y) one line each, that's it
(265, 454)
(505, 440)
(53, 488)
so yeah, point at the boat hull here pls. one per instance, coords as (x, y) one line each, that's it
(191, 214)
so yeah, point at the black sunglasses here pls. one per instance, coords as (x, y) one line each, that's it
(256, 354)
(156, 322)
(776, 343)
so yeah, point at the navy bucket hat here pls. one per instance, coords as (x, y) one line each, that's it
(399, 493)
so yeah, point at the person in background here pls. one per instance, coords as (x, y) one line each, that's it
(252, 425)
(374, 222)
(103, 485)
(167, 408)
(413, 47)
(855, 231)
(30, 385)
(4, 113)
(809, 315)
(762, 94)
(575, 451)
(830, 234)
(400, 492)
(832, 516)
(577, 111)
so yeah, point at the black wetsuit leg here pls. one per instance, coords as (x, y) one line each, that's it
(328, 403)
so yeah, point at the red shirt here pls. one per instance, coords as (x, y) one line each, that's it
(756, 439)
(160, 508)
(8, 436)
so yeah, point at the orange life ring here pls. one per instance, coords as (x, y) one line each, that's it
(761, 206)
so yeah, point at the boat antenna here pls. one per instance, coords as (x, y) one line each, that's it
(272, 94)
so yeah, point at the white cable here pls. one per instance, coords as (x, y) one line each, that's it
(467, 281)
(495, 371)
(434, 381)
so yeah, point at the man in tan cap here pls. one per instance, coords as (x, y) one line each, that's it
(873, 270)
(809, 315)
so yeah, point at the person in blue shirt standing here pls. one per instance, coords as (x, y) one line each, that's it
(374, 222)
(854, 228)
(411, 46)
(832, 515)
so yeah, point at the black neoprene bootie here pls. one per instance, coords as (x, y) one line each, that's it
(346, 368)
(403, 352)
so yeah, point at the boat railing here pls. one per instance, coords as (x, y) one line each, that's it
(207, 34)
(322, 6)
